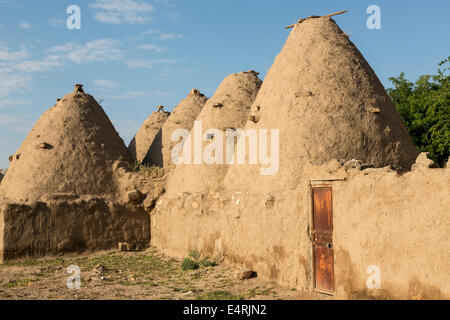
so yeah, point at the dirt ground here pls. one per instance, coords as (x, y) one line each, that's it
(148, 275)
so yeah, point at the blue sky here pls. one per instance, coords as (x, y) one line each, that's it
(135, 54)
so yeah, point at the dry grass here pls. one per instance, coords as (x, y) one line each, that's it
(131, 275)
(147, 170)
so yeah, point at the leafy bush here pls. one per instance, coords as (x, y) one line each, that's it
(146, 170)
(194, 254)
(425, 109)
(135, 166)
(194, 261)
(151, 171)
(205, 262)
(189, 264)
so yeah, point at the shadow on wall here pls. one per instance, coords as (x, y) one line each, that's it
(155, 152)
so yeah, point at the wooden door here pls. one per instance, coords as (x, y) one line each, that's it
(322, 236)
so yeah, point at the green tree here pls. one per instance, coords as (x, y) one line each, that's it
(425, 109)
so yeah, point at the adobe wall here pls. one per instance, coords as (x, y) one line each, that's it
(40, 229)
(399, 223)
(268, 233)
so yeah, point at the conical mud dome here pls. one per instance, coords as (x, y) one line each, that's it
(227, 110)
(71, 150)
(182, 117)
(327, 103)
(146, 135)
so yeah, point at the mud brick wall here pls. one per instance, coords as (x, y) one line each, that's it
(399, 223)
(39, 229)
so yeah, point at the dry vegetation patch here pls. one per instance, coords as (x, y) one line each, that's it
(133, 275)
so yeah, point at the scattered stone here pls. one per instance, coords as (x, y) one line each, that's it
(366, 166)
(157, 191)
(44, 145)
(270, 201)
(99, 269)
(120, 164)
(252, 71)
(78, 88)
(134, 196)
(390, 168)
(350, 164)
(245, 274)
(124, 247)
(423, 161)
(253, 118)
(374, 110)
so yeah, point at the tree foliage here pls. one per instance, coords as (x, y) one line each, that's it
(425, 109)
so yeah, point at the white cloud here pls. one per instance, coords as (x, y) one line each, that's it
(17, 61)
(139, 63)
(20, 123)
(25, 25)
(166, 3)
(137, 94)
(6, 55)
(12, 82)
(56, 22)
(130, 95)
(11, 3)
(153, 31)
(15, 69)
(148, 64)
(122, 11)
(94, 51)
(107, 18)
(105, 83)
(170, 36)
(47, 64)
(163, 36)
(13, 102)
(152, 47)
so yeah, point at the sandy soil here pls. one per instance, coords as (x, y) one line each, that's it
(115, 275)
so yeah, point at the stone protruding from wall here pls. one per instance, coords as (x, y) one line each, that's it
(147, 134)
(327, 103)
(226, 111)
(71, 150)
(182, 117)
